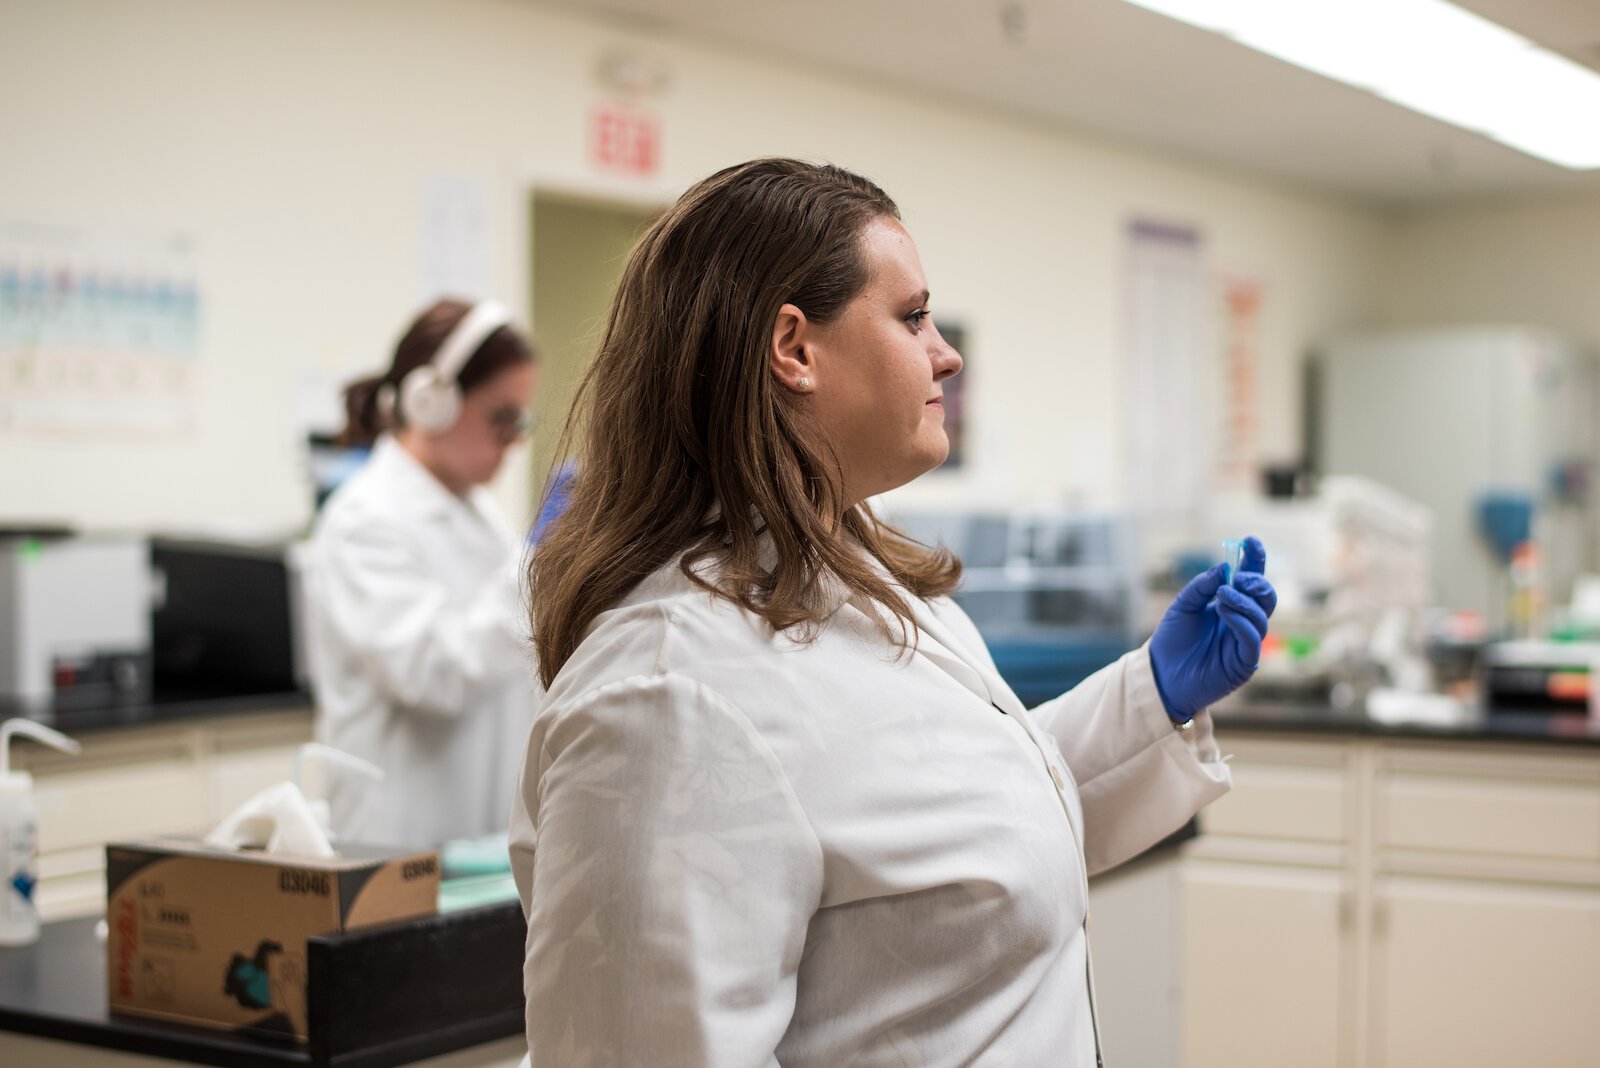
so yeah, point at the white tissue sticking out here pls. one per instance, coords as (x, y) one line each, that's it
(291, 817)
(277, 820)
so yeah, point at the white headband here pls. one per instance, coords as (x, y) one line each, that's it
(473, 330)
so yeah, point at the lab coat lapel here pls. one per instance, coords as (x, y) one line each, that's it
(942, 646)
(936, 644)
(407, 482)
(939, 645)
(411, 486)
(941, 651)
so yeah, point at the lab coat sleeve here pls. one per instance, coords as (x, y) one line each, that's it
(427, 654)
(1139, 778)
(668, 875)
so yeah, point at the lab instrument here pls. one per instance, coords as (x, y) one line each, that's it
(74, 622)
(1448, 417)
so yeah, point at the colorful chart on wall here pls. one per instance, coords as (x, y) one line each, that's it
(99, 332)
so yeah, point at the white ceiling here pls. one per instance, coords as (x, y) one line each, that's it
(1108, 69)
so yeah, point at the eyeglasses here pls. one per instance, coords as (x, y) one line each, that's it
(511, 422)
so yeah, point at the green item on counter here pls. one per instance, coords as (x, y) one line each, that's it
(487, 855)
(1301, 646)
(474, 891)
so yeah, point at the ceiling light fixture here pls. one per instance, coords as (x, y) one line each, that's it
(1427, 55)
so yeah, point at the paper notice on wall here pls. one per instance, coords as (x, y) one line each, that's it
(1239, 396)
(456, 258)
(99, 332)
(1168, 382)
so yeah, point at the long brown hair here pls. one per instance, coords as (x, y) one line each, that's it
(688, 443)
(505, 347)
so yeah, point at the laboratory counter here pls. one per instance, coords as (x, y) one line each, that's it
(377, 997)
(1290, 717)
(1310, 718)
(165, 706)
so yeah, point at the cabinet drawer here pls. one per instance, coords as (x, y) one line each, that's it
(72, 883)
(90, 808)
(1287, 801)
(1553, 819)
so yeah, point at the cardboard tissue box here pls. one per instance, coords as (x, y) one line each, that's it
(216, 937)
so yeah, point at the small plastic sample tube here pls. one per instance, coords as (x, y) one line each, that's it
(1233, 556)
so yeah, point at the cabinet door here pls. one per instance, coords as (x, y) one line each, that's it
(1265, 967)
(1468, 973)
(1135, 920)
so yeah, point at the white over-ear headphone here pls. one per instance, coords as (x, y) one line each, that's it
(430, 400)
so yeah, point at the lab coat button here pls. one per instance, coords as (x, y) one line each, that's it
(1055, 773)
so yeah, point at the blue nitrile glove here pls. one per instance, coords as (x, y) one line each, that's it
(555, 502)
(1209, 642)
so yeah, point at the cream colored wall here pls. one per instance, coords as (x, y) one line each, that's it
(1523, 260)
(294, 140)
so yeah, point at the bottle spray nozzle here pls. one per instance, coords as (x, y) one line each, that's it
(38, 732)
(311, 773)
(311, 777)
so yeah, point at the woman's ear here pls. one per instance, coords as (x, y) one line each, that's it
(790, 363)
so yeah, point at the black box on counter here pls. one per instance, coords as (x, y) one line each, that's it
(1542, 677)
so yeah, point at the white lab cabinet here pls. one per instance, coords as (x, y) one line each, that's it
(1266, 954)
(1470, 974)
(1370, 902)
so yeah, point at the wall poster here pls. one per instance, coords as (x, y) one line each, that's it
(1168, 383)
(99, 332)
(1239, 402)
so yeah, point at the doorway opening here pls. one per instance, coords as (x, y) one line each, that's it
(580, 246)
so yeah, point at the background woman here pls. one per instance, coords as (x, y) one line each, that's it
(420, 647)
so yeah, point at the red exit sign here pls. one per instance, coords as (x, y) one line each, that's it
(625, 140)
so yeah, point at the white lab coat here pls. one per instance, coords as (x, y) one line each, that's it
(738, 850)
(419, 653)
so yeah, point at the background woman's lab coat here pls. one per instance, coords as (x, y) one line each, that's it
(734, 849)
(420, 656)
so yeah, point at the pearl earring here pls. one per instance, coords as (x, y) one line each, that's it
(804, 384)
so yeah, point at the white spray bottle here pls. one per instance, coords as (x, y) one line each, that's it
(19, 833)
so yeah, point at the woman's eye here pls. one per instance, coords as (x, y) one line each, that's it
(917, 318)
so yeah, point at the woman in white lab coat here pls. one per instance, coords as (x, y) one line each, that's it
(778, 806)
(419, 653)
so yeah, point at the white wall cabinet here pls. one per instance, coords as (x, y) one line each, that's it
(1392, 903)
(134, 782)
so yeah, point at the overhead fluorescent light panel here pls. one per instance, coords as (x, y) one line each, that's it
(1428, 55)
